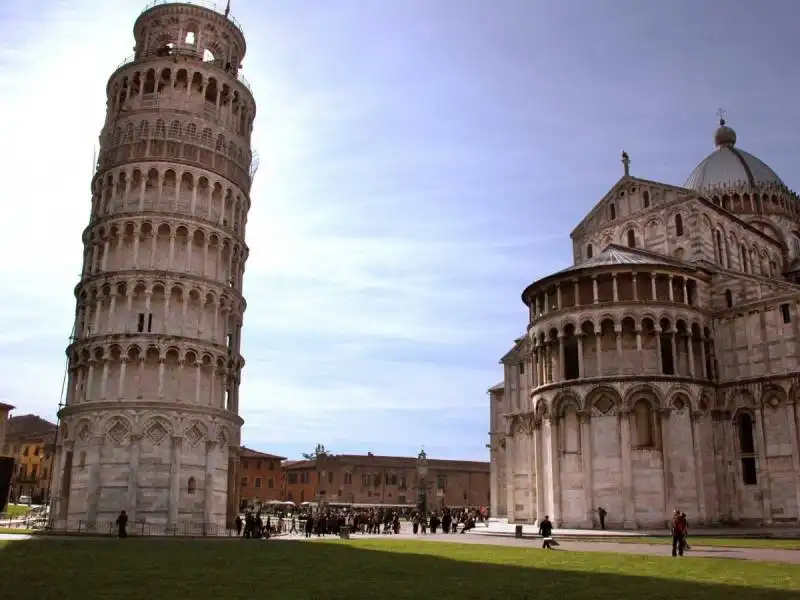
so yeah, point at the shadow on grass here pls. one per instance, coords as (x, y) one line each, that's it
(90, 569)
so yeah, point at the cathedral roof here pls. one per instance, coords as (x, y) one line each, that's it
(619, 255)
(730, 166)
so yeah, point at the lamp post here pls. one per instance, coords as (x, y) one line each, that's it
(422, 472)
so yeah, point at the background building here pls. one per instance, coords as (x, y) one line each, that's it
(260, 477)
(372, 479)
(30, 441)
(151, 422)
(6, 461)
(661, 369)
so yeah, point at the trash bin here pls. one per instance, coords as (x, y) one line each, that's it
(344, 532)
(518, 531)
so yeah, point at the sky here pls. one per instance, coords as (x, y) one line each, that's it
(422, 161)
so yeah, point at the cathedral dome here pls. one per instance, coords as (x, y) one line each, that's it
(730, 166)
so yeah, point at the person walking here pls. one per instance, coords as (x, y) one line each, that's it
(546, 531)
(678, 533)
(601, 513)
(122, 524)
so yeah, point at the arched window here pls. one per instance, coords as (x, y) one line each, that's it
(191, 488)
(744, 259)
(588, 251)
(646, 199)
(747, 449)
(729, 298)
(612, 211)
(678, 225)
(571, 430)
(643, 425)
(720, 249)
(631, 239)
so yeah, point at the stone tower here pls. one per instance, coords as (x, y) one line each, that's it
(151, 418)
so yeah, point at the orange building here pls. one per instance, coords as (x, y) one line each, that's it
(300, 481)
(371, 479)
(260, 477)
(30, 440)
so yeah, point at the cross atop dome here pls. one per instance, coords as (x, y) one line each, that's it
(724, 136)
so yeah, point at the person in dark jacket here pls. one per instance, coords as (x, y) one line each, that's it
(122, 524)
(546, 531)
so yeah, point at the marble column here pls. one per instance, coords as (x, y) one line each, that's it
(93, 491)
(530, 460)
(555, 460)
(698, 467)
(233, 484)
(586, 456)
(580, 336)
(510, 475)
(666, 463)
(792, 417)
(174, 481)
(62, 489)
(133, 477)
(763, 467)
(628, 500)
(208, 486)
(540, 479)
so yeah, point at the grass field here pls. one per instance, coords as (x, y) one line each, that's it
(50, 569)
(777, 544)
(16, 510)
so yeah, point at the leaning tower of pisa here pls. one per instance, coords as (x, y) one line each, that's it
(151, 417)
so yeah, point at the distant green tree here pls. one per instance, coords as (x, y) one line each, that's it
(318, 452)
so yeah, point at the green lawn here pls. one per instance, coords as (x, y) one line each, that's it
(88, 569)
(768, 543)
(16, 510)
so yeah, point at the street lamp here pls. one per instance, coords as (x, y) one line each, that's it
(422, 472)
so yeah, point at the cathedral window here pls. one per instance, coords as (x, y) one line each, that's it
(667, 357)
(588, 251)
(744, 259)
(646, 199)
(786, 313)
(729, 298)
(612, 211)
(571, 430)
(191, 487)
(643, 425)
(571, 364)
(720, 249)
(631, 239)
(678, 225)
(747, 449)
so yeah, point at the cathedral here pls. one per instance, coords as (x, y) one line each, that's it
(660, 370)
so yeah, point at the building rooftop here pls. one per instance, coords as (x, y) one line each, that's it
(29, 425)
(245, 452)
(620, 255)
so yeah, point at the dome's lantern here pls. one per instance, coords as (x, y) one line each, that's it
(724, 136)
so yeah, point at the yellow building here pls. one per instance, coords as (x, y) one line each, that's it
(30, 441)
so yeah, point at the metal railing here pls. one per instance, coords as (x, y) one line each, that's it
(109, 528)
(202, 4)
(215, 64)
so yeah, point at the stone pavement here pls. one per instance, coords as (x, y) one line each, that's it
(663, 549)
(503, 528)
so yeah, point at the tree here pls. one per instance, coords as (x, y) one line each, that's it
(318, 452)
